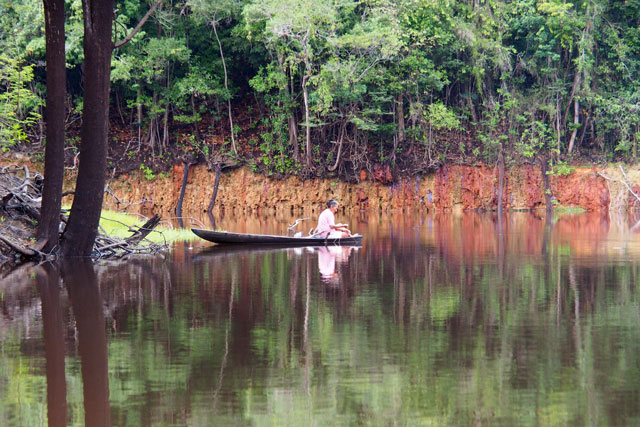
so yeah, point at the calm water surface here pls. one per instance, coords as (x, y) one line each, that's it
(435, 320)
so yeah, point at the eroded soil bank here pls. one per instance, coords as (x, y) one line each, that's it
(452, 188)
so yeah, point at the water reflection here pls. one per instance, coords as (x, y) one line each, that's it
(48, 284)
(469, 320)
(81, 284)
(327, 258)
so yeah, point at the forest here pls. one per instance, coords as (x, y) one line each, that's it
(318, 87)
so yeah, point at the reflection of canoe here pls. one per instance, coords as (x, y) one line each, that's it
(267, 239)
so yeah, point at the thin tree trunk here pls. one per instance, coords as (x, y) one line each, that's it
(500, 182)
(576, 122)
(574, 89)
(340, 142)
(226, 88)
(165, 130)
(547, 185)
(293, 123)
(196, 129)
(81, 230)
(401, 125)
(119, 109)
(153, 124)
(212, 202)
(305, 94)
(185, 177)
(139, 114)
(55, 116)
(558, 120)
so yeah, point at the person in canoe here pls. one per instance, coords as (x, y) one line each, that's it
(327, 227)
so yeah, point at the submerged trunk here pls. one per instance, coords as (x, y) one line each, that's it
(214, 195)
(185, 178)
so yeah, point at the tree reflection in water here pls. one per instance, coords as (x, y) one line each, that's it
(444, 320)
(48, 282)
(81, 283)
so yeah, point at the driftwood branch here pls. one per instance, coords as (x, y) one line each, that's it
(19, 249)
(144, 230)
(297, 221)
(624, 181)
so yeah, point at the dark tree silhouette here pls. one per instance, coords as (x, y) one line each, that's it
(55, 110)
(82, 228)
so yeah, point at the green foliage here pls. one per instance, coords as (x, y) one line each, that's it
(440, 117)
(148, 173)
(560, 168)
(514, 73)
(19, 105)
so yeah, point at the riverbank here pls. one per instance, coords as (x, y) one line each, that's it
(454, 188)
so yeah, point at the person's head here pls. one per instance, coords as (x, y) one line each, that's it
(333, 205)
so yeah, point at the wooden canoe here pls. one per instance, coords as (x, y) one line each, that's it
(225, 237)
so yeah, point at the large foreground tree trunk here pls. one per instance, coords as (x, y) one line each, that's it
(55, 110)
(81, 231)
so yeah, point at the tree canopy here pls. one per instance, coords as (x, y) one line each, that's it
(338, 86)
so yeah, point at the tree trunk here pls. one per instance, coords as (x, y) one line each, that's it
(547, 186)
(212, 202)
(196, 129)
(139, 115)
(152, 133)
(576, 121)
(305, 93)
(165, 130)
(293, 135)
(293, 126)
(226, 88)
(500, 182)
(401, 125)
(81, 230)
(558, 120)
(343, 128)
(185, 178)
(55, 116)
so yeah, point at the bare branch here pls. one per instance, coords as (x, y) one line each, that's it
(140, 24)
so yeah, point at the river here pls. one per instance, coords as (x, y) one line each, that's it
(434, 320)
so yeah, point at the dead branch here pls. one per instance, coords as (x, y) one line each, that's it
(143, 230)
(140, 24)
(624, 181)
(19, 249)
